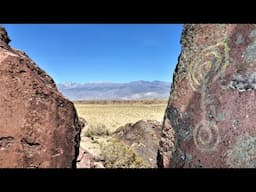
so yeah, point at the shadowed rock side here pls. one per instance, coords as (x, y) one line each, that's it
(211, 114)
(38, 126)
(85, 159)
(143, 138)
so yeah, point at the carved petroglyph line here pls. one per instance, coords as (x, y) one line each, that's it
(209, 59)
(206, 137)
(206, 133)
(212, 59)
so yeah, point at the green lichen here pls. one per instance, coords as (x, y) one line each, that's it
(240, 39)
(243, 153)
(253, 33)
(188, 157)
(220, 117)
(212, 110)
(249, 54)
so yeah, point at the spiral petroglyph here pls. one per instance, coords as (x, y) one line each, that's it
(206, 133)
(211, 112)
(213, 58)
(206, 137)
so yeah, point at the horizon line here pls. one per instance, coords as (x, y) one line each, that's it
(88, 82)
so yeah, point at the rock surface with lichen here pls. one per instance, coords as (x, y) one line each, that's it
(211, 113)
(143, 138)
(39, 128)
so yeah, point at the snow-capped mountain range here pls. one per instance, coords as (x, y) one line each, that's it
(115, 91)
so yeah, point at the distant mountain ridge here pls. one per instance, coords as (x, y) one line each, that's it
(115, 91)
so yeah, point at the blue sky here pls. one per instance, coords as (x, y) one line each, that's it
(100, 52)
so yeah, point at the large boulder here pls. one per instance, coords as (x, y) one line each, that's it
(211, 114)
(143, 138)
(38, 126)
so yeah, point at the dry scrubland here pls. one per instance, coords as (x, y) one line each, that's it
(104, 117)
(113, 114)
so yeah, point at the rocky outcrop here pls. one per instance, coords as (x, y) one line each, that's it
(211, 114)
(86, 160)
(82, 123)
(38, 126)
(143, 138)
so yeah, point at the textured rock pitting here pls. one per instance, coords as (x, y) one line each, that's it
(143, 138)
(209, 121)
(87, 160)
(38, 126)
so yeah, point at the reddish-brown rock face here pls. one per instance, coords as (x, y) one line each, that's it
(38, 126)
(211, 114)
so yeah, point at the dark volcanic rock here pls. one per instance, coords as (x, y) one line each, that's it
(4, 38)
(210, 119)
(38, 126)
(143, 138)
(82, 122)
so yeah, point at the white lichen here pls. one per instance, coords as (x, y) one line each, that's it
(243, 83)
